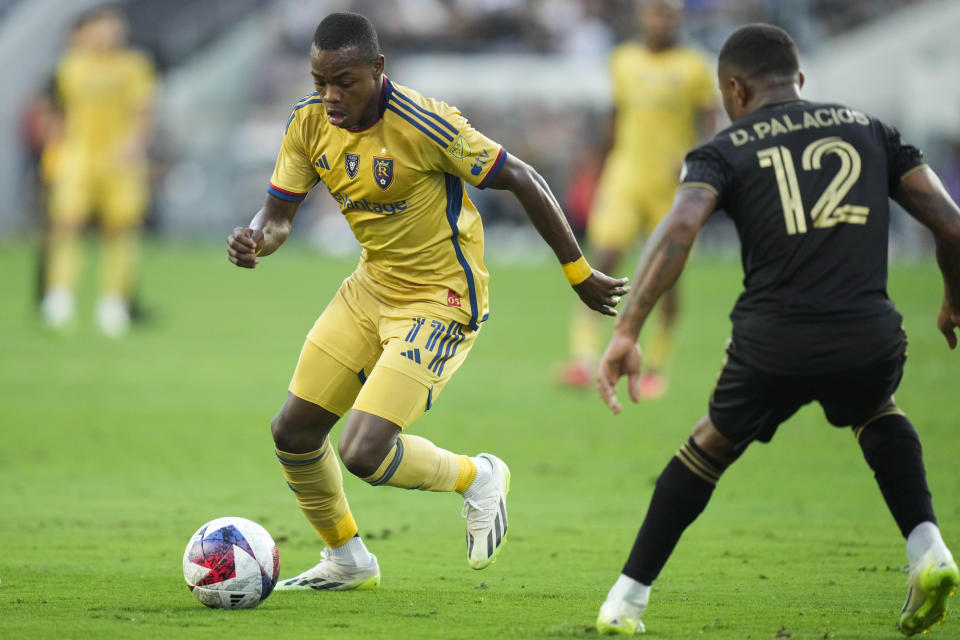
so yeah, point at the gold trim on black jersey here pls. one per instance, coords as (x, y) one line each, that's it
(701, 185)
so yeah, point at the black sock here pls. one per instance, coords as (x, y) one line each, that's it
(682, 492)
(892, 449)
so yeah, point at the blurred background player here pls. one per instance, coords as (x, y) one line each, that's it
(807, 185)
(664, 100)
(98, 165)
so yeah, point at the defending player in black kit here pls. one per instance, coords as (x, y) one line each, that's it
(807, 186)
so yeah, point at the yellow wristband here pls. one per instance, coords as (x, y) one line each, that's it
(577, 271)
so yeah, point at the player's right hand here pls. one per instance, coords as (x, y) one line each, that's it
(602, 293)
(621, 358)
(947, 321)
(242, 247)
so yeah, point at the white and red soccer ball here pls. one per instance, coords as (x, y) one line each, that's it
(231, 563)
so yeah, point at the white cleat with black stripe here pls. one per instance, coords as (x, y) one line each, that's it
(486, 515)
(331, 575)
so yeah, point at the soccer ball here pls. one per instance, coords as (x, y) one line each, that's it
(231, 563)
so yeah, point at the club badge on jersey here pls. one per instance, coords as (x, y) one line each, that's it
(383, 172)
(351, 162)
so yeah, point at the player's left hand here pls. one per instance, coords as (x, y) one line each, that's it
(621, 358)
(242, 246)
(602, 293)
(947, 321)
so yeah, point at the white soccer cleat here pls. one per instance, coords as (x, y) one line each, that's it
(618, 616)
(58, 308)
(330, 575)
(486, 515)
(930, 583)
(113, 316)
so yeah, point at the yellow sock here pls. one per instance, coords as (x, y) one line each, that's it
(583, 335)
(316, 480)
(121, 255)
(660, 347)
(417, 463)
(64, 259)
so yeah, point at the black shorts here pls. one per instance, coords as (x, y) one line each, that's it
(749, 404)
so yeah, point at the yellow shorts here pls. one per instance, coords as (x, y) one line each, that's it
(383, 360)
(628, 204)
(80, 187)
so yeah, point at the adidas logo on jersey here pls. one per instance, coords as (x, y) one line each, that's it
(413, 354)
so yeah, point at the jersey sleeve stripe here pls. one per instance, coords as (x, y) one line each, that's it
(301, 105)
(454, 188)
(446, 124)
(424, 120)
(430, 135)
(914, 170)
(495, 169)
(283, 194)
(698, 185)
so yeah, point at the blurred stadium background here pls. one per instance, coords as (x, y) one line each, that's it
(529, 73)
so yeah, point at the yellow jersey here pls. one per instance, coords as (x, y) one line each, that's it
(399, 183)
(658, 96)
(101, 94)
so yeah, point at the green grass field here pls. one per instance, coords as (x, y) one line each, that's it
(113, 453)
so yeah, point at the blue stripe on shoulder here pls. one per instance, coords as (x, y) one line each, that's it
(454, 188)
(301, 105)
(421, 118)
(416, 124)
(449, 126)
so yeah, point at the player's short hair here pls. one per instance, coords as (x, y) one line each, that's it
(112, 9)
(344, 30)
(761, 51)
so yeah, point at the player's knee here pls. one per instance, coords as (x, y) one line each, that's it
(299, 432)
(283, 432)
(65, 227)
(362, 457)
(713, 443)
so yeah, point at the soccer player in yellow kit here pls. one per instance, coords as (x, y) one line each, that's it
(664, 98)
(404, 321)
(105, 92)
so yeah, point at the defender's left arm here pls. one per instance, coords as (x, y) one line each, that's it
(661, 264)
(598, 291)
(923, 196)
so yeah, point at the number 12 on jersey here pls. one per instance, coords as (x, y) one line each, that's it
(827, 211)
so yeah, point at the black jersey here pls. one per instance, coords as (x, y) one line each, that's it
(807, 186)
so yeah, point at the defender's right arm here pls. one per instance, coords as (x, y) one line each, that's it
(923, 196)
(267, 231)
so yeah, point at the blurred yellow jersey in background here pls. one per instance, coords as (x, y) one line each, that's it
(101, 94)
(399, 183)
(658, 97)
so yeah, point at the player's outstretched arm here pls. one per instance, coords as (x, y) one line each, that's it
(660, 265)
(267, 231)
(922, 194)
(598, 291)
